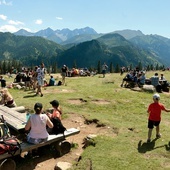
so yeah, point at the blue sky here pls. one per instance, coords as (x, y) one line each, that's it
(104, 16)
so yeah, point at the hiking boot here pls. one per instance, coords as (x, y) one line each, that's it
(149, 140)
(158, 136)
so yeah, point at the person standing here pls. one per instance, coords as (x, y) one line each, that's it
(40, 78)
(64, 70)
(104, 68)
(36, 125)
(3, 82)
(154, 116)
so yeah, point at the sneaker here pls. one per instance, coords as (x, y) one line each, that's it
(158, 136)
(148, 141)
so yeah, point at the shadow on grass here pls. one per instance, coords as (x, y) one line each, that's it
(28, 96)
(167, 147)
(145, 147)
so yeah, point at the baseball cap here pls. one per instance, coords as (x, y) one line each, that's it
(38, 106)
(54, 103)
(156, 96)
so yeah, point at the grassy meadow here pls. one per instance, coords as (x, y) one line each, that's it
(121, 109)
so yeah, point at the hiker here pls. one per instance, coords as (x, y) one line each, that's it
(155, 82)
(141, 79)
(3, 82)
(7, 99)
(56, 110)
(154, 116)
(34, 78)
(40, 78)
(55, 117)
(51, 81)
(36, 125)
(64, 71)
(128, 78)
(104, 68)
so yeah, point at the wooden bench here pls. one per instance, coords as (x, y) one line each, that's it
(52, 139)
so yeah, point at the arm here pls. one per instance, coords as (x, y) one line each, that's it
(167, 110)
(28, 125)
(49, 123)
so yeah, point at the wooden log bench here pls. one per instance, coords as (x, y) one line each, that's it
(52, 139)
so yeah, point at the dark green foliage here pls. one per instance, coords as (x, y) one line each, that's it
(29, 50)
(109, 48)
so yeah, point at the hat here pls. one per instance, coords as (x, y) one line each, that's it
(54, 103)
(156, 96)
(38, 106)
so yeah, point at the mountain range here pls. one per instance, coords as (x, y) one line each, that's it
(85, 47)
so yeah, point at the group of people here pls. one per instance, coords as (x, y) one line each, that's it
(160, 83)
(134, 78)
(138, 78)
(40, 125)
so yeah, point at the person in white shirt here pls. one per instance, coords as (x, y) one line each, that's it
(40, 78)
(36, 125)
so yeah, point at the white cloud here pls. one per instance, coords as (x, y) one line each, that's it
(39, 21)
(59, 18)
(3, 17)
(3, 2)
(12, 28)
(8, 28)
(15, 22)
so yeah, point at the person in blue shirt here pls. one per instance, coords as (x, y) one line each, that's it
(51, 81)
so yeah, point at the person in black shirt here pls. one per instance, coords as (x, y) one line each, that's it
(64, 70)
(3, 82)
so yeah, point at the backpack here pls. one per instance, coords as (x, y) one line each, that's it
(58, 126)
(4, 130)
(9, 145)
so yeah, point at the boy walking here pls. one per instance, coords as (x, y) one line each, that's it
(154, 113)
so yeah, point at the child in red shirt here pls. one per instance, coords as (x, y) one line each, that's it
(154, 113)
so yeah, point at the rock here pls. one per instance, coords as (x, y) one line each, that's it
(148, 88)
(62, 166)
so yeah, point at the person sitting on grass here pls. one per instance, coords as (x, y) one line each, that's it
(128, 78)
(36, 125)
(7, 99)
(154, 116)
(141, 79)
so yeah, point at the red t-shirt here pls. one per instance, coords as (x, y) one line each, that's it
(154, 110)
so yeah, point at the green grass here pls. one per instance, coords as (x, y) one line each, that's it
(125, 112)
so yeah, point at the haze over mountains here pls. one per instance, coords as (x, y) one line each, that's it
(85, 47)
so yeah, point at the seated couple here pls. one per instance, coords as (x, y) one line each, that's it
(38, 123)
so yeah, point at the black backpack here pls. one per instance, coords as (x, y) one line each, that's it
(58, 126)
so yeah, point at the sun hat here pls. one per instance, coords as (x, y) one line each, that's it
(54, 103)
(38, 106)
(156, 96)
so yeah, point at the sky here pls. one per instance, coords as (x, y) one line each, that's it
(104, 16)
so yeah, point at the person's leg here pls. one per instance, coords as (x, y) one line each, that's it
(149, 135)
(158, 135)
(150, 127)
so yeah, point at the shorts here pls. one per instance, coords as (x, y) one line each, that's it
(103, 71)
(152, 123)
(40, 82)
(63, 74)
(35, 141)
